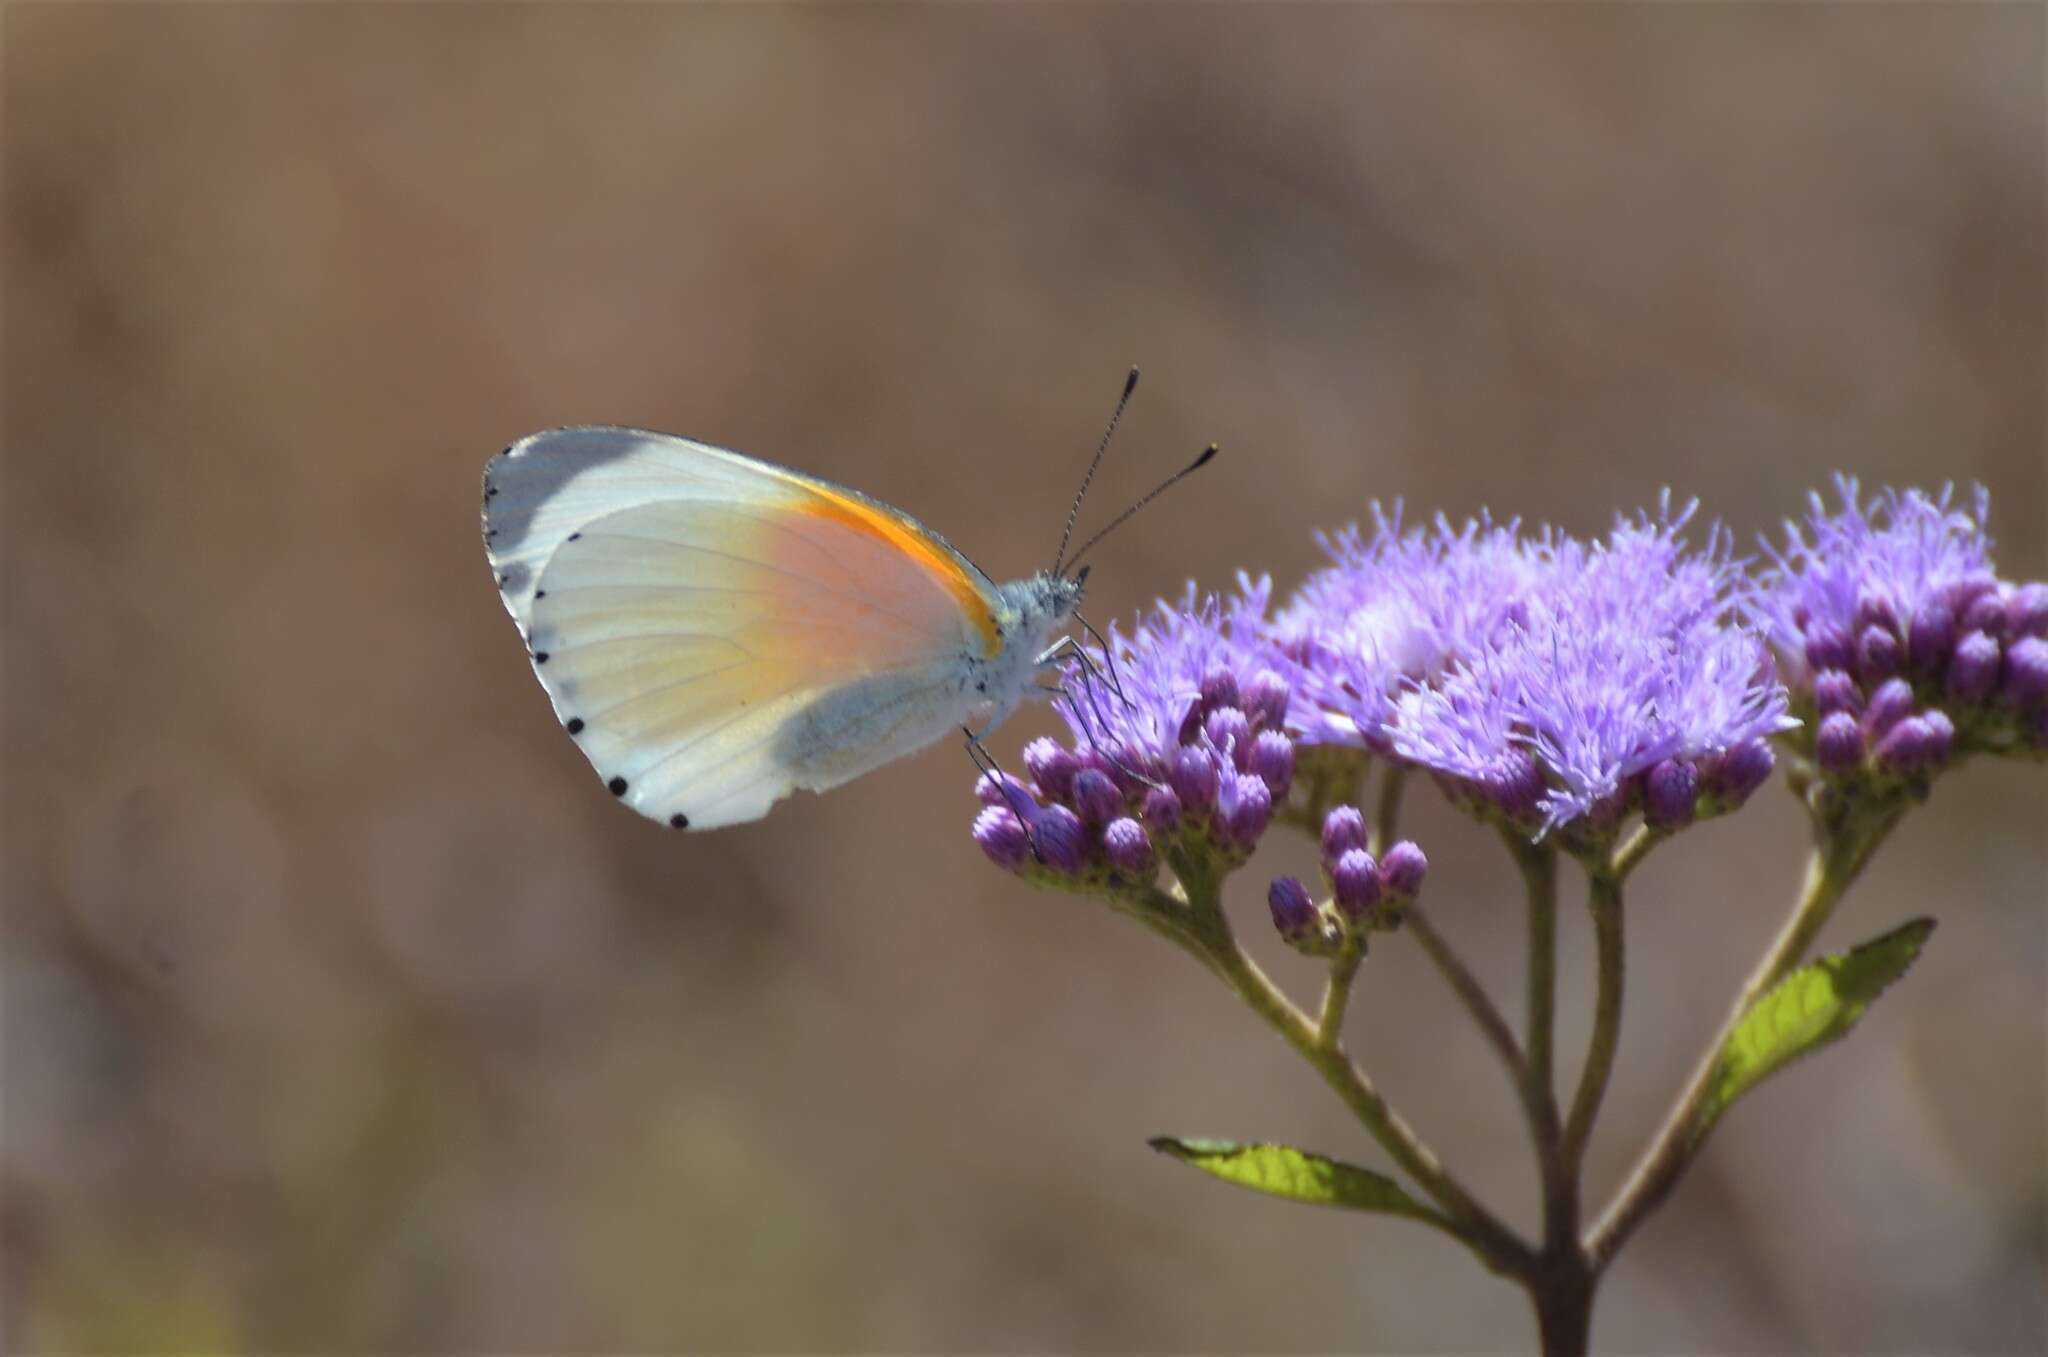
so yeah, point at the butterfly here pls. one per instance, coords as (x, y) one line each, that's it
(716, 631)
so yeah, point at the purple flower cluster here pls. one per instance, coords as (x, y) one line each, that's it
(1902, 645)
(1364, 896)
(1394, 609)
(1178, 744)
(1550, 683)
(1547, 680)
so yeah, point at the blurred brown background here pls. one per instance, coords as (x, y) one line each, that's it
(343, 1010)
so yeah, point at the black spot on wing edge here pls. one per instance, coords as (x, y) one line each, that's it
(617, 786)
(679, 821)
(574, 725)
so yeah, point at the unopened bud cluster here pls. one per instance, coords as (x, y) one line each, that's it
(1894, 698)
(1668, 795)
(1363, 896)
(1094, 817)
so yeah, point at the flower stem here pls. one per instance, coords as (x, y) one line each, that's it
(1633, 850)
(1563, 1296)
(1389, 813)
(1604, 900)
(1843, 845)
(1477, 1228)
(1539, 879)
(1477, 1003)
(1337, 996)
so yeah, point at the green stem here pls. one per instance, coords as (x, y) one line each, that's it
(1604, 900)
(1843, 846)
(1337, 996)
(1389, 813)
(1538, 863)
(1562, 1292)
(1493, 1242)
(1466, 986)
(1539, 879)
(1632, 852)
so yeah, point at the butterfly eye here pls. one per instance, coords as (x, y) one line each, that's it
(1081, 576)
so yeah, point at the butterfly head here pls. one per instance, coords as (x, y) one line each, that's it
(1045, 601)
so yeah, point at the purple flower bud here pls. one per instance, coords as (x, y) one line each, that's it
(1670, 792)
(1231, 732)
(1889, 705)
(1272, 761)
(1986, 613)
(1965, 592)
(1219, 689)
(1108, 760)
(1052, 766)
(1191, 724)
(1941, 734)
(1096, 797)
(1294, 913)
(1000, 789)
(1973, 670)
(1162, 810)
(1343, 830)
(1518, 787)
(1356, 879)
(1834, 690)
(1827, 646)
(2026, 670)
(1003, 837)
(1838, 744)
(1906, 747)
(2027, 609)
(1874, 610)
(1128, 849)
(1743, 769)
(1877, 653)
(1266, 700)
(1060, 839)
(1402, 870)
(1248, 812)
(1194, 778)
(1932, 636)
(1133, 769)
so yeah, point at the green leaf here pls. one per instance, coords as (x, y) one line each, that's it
(1283, 1171)
(1816, 1004)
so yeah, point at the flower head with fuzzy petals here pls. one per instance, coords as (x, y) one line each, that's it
(1889, 611)
(1624, 655)
(1179, 744)
(1139, 704)
(1876, 564)
(1391, 609)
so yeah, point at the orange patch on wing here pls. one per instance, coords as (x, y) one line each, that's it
(906, 537)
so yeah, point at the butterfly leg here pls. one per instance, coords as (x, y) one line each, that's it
(1088, 728)
(1068, 647)
(1108, 656)
(986, 764)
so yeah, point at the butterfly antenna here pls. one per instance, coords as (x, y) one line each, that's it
(1176, 478)
(1130, 385)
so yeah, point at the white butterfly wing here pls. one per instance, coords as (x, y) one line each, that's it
(716, 631)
